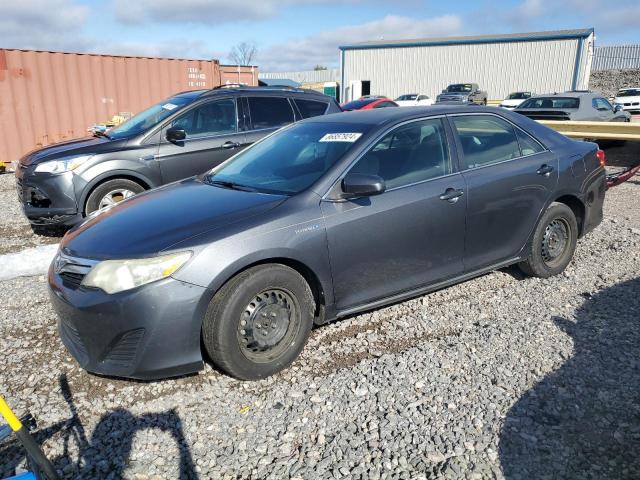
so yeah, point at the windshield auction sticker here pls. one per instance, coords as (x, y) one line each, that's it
(169, 106)
(340, 137)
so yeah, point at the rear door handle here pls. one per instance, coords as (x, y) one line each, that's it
(230, 144)
(451, 195)
(545, 170)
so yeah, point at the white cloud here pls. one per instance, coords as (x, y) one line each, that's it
(322, 48)
(42, 24)
(207, 12)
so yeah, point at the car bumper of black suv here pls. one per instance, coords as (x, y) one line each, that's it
(145, 333)
(47, 199)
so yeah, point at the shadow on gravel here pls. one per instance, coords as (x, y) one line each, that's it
(106, 454)
(583, 420)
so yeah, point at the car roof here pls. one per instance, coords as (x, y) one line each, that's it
(275, 90)
(569, 94)
(390, 115)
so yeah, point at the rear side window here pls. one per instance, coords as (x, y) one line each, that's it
(270, 112)
(486, 139)
(310, 108)
(409, 154)
(528, 146)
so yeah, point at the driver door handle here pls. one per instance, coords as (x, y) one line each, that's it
(451, 195)
(545, 170)
(229, 144)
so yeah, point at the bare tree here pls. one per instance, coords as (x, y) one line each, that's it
(243, 53)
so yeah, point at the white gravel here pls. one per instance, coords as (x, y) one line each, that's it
(499, 377)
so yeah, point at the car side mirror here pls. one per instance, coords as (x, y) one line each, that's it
(617, 108)
(175, 134)
(362, 185)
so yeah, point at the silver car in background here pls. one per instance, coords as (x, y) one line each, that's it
(578, 106)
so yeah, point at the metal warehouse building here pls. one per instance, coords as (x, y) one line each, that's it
(540, 62)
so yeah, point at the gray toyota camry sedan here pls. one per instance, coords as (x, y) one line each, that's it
(320, 220)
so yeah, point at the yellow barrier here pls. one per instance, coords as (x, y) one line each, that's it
(596, 130)
(9, 416)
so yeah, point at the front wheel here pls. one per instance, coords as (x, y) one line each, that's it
(111, 192)
(554, 242)
(259, 321)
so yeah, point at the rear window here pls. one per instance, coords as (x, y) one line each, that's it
(270, 112)
(357, 104)
(310, 108)
(551, 102)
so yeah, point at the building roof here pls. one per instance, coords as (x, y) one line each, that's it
(503, 38)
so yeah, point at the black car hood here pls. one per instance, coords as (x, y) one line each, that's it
(72, 147)
(153, 221)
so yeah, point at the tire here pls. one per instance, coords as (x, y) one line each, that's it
(550, 254)
(274, 294)
(120, 185)
(484, 102)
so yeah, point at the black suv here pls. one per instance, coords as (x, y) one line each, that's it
(182, 136)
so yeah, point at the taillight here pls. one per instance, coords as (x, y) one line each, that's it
(601, 158)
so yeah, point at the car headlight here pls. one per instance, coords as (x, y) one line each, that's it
(62, 165)
(114, 276)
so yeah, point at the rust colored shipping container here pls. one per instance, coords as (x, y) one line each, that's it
(244, 75)
(48, 97)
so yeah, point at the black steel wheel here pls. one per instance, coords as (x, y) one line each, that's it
(553, 243)
(259, 321)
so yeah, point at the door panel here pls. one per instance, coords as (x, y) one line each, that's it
(212, 137)
(409, 236)
(396, 241)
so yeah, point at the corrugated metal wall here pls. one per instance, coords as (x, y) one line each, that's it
(616, 57)
(499, 68)
(47, 97)
(309, 76)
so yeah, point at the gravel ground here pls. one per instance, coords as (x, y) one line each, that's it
(499, 377)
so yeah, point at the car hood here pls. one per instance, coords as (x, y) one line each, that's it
(635, 98)
(154, 221)
(81, 146)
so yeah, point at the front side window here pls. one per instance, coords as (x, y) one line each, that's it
(270, 112)
(290, 160)
(310, 108)
(601, 104)
(212, 118)
(486, 139)
(409, 154)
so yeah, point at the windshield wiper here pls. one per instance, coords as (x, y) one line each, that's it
(101, 134)
(230, 185)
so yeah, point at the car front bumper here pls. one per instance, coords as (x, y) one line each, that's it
(147, 333)
(48, 199)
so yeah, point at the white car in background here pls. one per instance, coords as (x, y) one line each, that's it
(515, 99)
(628, 99)
(413, 100)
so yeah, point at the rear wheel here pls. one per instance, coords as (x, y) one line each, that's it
(554, 242)
(259, 321)
(110, 193)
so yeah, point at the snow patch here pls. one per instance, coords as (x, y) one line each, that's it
(32, 261)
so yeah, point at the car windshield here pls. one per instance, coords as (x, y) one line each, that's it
(150, 117)
(410, 96)
(288, 161)
(357, 104)
(631, 92)
(519, 95)
(551, 102)
(459, 87)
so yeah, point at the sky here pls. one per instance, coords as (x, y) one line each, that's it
(290, 34)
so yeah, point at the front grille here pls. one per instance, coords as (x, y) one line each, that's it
(72, 270)
(124, 352)
(72, 279)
